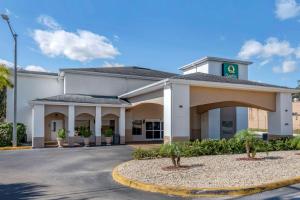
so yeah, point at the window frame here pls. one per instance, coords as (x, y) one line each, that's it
(161, 129)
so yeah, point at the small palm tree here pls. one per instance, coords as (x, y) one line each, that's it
(173, 151)
(4, 77)
(250, 141)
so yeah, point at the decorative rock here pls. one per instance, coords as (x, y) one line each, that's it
(216, 171)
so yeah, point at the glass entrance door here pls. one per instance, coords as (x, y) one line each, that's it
(154, 130)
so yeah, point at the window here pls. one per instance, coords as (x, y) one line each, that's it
(54, 127)
(137, 127)
(154, 130)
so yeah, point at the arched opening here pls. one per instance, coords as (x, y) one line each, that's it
(144, 122)
(219, 119)
(219, 113)
(110, 121)
(84, 120)
(54, 122)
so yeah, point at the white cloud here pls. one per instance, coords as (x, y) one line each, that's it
(7, 11)
(35, 68)
(264, 62)
(116, 38)
(48, 22)
(81, 46)
(297, 52)
(108, 64)
(249, 49)
(286, 9)
(272, 47)
(6, 63)
(288, 66)
(28, 67)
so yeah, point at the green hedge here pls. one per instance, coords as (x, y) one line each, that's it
(218, 147)
(6, 130)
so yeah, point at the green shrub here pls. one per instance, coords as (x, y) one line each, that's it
(108, 132)
(258, 129)
(85, 132)
(140, 154)
(219, 147)
(6, 131)
(295, 143)
(61, 133)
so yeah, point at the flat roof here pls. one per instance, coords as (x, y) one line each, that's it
(211, 58)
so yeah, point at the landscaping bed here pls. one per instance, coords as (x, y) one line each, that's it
(215, 171)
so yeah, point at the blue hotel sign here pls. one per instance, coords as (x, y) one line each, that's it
(230, 70)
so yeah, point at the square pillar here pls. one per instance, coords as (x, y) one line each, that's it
(241, 118)
(280, 122)
(122, 125)
(98, 125)
(214, 124)
(71, 124)
(38, 126)
(176, 113)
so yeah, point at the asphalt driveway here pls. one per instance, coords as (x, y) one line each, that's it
(79, 173)
(69, 173)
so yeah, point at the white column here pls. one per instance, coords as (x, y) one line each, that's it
(214, 124)
(71, 124)
(241, 118)
(98, 125)
(122, 125)
(38, 126)
(280, 122)
(167, 114)
(176, 112)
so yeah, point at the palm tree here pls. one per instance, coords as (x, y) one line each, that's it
(4, 77)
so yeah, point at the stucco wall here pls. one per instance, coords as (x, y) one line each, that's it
(280, 122)
(100, 85)
(207, 96)
(48, 120)
(31, 87)
(141, 112)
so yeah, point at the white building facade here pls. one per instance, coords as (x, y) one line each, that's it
(210, 99)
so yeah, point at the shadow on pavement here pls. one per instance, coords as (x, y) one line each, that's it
(21, 191)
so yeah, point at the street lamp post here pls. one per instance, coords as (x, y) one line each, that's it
(14, 142)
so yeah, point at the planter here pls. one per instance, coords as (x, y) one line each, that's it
(86, 142)
(108, 140)
(60, 142)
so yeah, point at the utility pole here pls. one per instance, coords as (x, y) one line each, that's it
(6, 18)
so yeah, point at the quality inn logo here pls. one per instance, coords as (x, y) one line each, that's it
(231, 69)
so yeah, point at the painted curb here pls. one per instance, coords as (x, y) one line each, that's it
(15, 148)
(200, 192)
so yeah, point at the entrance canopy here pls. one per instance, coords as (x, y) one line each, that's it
(180, 93)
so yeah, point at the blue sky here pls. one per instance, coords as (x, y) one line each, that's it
(158, 34)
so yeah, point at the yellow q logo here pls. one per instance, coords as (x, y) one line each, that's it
(231, 69)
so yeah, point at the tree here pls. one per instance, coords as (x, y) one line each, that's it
(5, 77)
(173, 151)
(297, 95)
(251, 142)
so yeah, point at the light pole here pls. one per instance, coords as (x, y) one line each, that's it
(6, 18)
